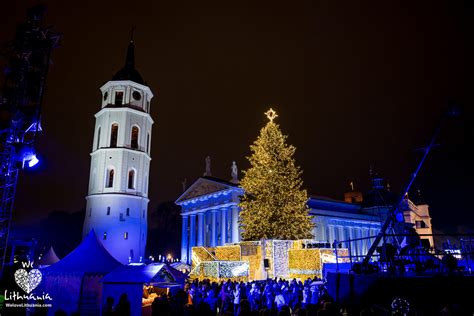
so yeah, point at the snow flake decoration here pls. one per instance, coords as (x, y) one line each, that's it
(28, 281)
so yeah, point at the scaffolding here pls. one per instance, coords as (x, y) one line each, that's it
(28, 58)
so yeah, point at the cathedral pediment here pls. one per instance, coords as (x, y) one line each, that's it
(202, 187)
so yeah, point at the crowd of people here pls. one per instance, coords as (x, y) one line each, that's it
(270, 297)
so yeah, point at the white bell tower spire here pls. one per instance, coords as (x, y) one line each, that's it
(117, 202)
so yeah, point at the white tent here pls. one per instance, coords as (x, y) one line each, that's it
(48, 259)
(181, 266)
(73, 282)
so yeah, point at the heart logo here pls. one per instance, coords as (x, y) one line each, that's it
(28, 281)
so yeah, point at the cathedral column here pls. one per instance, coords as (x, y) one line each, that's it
(200, 236)
(341, 234)
(371, 234)
(223, 226)
(351, 236)
(228, 225)
(184, 239)
(360, 234)
(214, 228)
(192, 232)
(331, 234)
(235, 224)
(365, 233)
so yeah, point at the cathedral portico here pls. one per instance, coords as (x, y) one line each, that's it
(210, 209)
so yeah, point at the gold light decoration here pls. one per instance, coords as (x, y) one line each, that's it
(199, 254)
(244, 261)
(328, 255)
(228, 253)
(304, 263)
(252, 253)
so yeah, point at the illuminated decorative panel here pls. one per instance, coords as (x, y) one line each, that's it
(304, 263)
(228, 253)
(200, 254)
(328, 255)
(269, 255)
(217, 271)
(210, 269)
(252, 253)
(233, 269)
(298, 244)
(280, 257)
(244, 261)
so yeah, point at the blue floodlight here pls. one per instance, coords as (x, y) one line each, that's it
(34, 160)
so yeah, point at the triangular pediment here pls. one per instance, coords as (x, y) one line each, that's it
(201, 187)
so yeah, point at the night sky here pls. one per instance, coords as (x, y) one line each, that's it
(354, 85)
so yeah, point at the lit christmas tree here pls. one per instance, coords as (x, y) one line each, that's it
(274, 203)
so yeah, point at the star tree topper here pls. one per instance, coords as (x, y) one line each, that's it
(271, 114)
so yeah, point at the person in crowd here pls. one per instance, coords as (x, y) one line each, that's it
(279, 299)
(306, 297)
(108, 309)
(269, 297)
(123, 306)
(211, 300)
(236, 293)
(314, 299)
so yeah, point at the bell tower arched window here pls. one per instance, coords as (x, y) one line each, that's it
(110, 178)
(113, 135)
(134, 137)
(131, 179)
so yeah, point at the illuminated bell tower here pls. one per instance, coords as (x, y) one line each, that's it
(120, 162)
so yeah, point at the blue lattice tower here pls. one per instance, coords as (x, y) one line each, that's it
(20, 104)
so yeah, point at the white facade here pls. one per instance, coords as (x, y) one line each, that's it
(117, 203)
(210, 215)
(419, 216)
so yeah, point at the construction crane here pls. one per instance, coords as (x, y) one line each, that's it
(28, 57)
(453, 111)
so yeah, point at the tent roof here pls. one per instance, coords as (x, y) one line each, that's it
(154, 273)
(89, 257)
(49, 258)
(180, 265)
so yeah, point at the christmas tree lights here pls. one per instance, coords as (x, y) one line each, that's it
(274, 203)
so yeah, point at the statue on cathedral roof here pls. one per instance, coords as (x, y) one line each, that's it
(208, 167)
(234, 173)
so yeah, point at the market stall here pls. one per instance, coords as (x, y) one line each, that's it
(142, 284)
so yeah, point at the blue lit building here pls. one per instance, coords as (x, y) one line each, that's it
(210, 214)
(209, 210)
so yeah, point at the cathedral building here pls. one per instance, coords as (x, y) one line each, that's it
(117, 200)
(210, 214)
